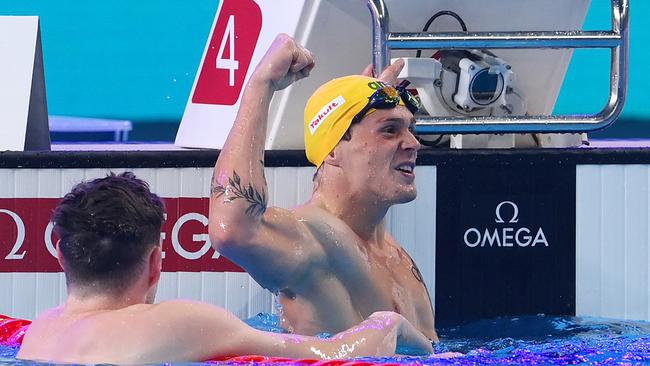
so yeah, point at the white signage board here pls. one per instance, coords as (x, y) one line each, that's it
(23, 113)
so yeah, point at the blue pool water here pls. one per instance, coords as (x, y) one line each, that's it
(530, 340)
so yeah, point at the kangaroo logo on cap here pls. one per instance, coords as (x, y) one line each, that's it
(324, 113)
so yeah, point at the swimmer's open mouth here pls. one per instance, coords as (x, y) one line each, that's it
(406, 168)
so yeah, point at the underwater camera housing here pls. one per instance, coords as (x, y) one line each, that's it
(482, 78)
(469, 83)
(459, 82)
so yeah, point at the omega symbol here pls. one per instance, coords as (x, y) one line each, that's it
(515, 213)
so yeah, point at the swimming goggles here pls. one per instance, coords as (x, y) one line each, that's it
(388, 97)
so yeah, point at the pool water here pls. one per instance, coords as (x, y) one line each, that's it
(530, 340)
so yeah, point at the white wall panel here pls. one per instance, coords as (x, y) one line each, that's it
(189, 285)
(26, 183)
(6, 294)
(24, 289)
(166, 182)
(237, 294)
(50, 291)
(612, 241)
(637, 243)
(259, 299)
(50, 183)
(70, 178)
(7, 179)
(612, 235)
(168, 286)
(588, 240)
(90, 174)
(213, 288)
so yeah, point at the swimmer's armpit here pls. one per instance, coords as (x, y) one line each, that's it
(233, 190)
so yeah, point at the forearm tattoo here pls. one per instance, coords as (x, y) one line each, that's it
(234, 190)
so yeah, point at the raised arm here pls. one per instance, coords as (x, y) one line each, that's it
(242, 227)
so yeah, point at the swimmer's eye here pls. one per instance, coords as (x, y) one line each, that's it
(412, 129)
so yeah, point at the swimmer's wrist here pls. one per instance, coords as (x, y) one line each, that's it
(258, 84)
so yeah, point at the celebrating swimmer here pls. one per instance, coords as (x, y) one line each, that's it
(331, 260)
(110, 251)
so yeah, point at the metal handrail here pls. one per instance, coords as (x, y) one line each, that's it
(617, 40)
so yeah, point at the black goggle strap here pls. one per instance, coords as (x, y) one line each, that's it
(411, 102)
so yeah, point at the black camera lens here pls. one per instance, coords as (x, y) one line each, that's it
(485, 88)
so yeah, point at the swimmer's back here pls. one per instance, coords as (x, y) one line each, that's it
(130, 335)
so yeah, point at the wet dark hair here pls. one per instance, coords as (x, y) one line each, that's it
(106, 228)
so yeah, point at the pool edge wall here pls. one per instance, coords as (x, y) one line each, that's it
(474, 230)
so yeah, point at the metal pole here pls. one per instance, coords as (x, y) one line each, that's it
(380, 23)
(461, 40)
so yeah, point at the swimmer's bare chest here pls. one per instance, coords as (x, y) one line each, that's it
(354, 283)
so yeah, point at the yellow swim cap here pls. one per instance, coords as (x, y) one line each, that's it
(330, 110)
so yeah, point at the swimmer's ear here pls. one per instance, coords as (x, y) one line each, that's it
(59, 255)
(155, 265)
(333, 158)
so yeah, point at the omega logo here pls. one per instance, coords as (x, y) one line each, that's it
(515, 212)
(18, 251)
(505, 235)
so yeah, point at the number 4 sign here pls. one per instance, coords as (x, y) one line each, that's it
(229, 53)
(241, 33)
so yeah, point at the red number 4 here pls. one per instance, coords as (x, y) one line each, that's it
(229, 54)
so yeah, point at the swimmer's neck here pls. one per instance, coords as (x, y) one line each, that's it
(82, 302)
(364, 218)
